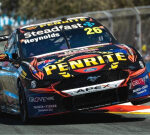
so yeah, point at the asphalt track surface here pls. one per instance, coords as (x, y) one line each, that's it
(114, 123)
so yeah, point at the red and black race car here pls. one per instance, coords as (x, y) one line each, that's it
(67, 65)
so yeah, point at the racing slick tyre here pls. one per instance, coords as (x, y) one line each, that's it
(23, 104)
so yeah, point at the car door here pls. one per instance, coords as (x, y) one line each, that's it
(8, 76)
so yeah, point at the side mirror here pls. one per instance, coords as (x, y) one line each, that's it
(14, 56)
(4, 57)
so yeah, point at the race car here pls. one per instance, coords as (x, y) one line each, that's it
(68, 65)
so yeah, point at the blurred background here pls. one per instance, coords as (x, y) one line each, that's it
(127, 20)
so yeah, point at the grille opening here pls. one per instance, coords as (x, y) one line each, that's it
(101, 98)
(82, 79)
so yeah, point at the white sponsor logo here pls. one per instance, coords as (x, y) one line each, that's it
(45, 108)
(40, 99)
(48, 36)
(52, 30)
(140, 90)
(75, 51)
(93, 78)
(94, 88)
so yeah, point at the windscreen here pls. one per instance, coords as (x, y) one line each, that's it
(61, 35)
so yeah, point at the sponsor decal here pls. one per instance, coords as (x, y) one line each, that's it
(90, 24)
(45, 108)
(85, 61)
(37, 39)
(40, 99)
(93, 47)
(45, 63)
(138, 81)
(94, 88)
(75, 20)
(51, 30)
(90, 69)
(141, 90)
(93, 78)
(93, 30)
(106, 86)
(76, 51)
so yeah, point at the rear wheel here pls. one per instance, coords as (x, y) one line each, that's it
(23, 104)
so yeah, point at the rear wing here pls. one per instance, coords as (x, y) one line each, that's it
(4, 38)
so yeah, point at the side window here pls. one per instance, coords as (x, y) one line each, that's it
(12, 45)
(12, 49)
(11, 41)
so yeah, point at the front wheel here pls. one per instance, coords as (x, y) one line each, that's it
(23, 104)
